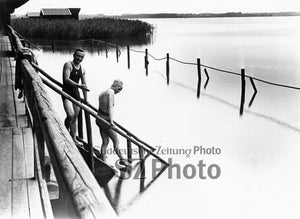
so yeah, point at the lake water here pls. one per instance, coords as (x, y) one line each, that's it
(256, 171)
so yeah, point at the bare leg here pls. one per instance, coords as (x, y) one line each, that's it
(73, 123)
(105, 141)
(71, 119)
(69, 111)
(115, 141)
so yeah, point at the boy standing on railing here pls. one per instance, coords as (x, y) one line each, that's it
(72, 74)
(105, 110)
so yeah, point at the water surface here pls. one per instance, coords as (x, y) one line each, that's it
(259, 159)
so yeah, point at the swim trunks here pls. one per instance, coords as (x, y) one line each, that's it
(102, 125)
(75, 76)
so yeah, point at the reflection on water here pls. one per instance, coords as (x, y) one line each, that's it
(117, 189)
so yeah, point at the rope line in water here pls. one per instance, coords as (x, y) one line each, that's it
(254, 78)
(275, 84)
(137, 51)
(157, 58)
(220, 70)
(185, 63)
(188, 63)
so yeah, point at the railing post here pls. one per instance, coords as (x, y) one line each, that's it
(143, 175)
(146, 61)
(199, 77)
(168, 68)
(243, 89)
(141, 153)
(90, 141)
(128, 57)
(80, 125)
(117, 53)
(129, 150)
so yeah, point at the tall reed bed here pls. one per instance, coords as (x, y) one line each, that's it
(69, 29)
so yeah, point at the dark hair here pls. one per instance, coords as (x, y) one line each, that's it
(78, 50)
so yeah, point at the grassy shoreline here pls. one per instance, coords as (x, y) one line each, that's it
(94, 28)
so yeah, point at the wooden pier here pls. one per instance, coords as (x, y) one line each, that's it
(20, 194)
(27, 125)
(34, 138)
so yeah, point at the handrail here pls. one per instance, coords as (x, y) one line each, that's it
(30, 43)
(92, 107)
(128, 135)
(131, 138)
(80, 186)
(96, 116)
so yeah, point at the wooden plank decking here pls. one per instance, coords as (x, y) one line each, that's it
(19, 191)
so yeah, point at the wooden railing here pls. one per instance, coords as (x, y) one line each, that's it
(91, 110)
(63, 153)
(81, 195)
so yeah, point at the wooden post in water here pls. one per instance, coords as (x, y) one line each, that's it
(52, 46)
(243, 86)
(146, 61)
(80, 125)
(168, 69)
(199, 77)
(128, 57)
(207, 78)
(106, 51)
(117, 52)
(129, 150)
(90, 141)
(23, 42)
(98, 47)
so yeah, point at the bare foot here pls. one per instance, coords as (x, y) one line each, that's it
(77, 143)
(97, 152)
(125, 163)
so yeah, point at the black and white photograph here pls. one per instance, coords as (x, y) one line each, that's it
(149, 109)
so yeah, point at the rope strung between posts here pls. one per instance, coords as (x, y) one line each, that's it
(185, 63)
(148, 55)
(272, 83)
(221, 70)
(137, 51)
(156, 58)
(213, 68)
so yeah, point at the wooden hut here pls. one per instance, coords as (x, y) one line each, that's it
(60, 13)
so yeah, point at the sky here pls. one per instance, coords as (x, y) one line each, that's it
(117, 7)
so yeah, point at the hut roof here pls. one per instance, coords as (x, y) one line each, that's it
(55, 11)
(33, 14)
